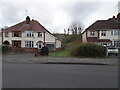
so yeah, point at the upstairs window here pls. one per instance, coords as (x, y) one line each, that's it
(92, 33)
(16, 34)
(39, 34)
(115, 32)
(29, 34)
(6, 34)
(103, 33)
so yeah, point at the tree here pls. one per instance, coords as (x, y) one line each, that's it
(76, 27)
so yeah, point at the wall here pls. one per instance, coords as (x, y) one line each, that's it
(58, 44)
(23, 39)
(84, 37)
(95, 34)
(109, 36)
(49, 37)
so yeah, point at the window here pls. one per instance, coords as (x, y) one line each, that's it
(103, 33)
(29, 34)
(39, 34)
(29, 44)
(115, 32)
(116, 43)
(6, 34)
(16, 34)
(112, 33)
(16, 43)
(92, 33)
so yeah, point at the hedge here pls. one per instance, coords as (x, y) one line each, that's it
(88, 50)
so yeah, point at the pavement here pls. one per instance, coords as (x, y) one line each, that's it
(30, 58)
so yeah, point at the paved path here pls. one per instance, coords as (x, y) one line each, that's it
(59, 76)
(29, 58)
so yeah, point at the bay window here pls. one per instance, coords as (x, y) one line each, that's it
(29, 44)
(116, 43)
(29, 34)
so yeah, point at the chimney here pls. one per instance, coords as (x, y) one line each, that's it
(113, 17)
(27, 20)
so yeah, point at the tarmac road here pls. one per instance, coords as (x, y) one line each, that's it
(59, 76)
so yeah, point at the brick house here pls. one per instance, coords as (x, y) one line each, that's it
(30, 35)
(103, 32)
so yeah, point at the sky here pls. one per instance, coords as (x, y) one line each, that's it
(57, 15)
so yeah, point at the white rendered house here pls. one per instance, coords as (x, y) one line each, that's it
(104, 32)
(30, 35)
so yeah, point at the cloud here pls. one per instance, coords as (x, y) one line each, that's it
(55, 16)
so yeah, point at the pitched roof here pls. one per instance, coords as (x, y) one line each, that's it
(111, 23)
(104, 24)
(22, 26)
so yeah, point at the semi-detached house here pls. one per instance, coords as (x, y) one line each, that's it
(30, 35)
(104, 32)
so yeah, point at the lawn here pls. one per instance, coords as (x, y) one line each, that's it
(61, 53)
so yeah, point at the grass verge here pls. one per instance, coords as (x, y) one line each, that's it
(61, 53)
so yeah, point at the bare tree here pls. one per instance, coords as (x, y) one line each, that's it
(76, 27)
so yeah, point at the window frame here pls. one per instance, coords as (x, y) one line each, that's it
(6, 34)
(116, 43)
(16, 34)
(29, 44)
(103, 33)
(115, 32)
(92, 33)
(40, 34)
(29, 34)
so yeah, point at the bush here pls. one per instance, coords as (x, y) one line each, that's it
(88, 50)
(5, 48)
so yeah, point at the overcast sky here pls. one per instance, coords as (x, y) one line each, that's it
(56, 15)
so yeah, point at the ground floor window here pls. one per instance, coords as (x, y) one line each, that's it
(29, 44)
(116, 43)
(16, 43)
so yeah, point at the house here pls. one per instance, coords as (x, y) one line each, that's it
(103, 32)
(30, 35)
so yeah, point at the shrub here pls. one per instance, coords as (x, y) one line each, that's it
(88, 50)
(5, 48)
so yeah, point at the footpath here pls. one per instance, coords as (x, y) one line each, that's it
(30, 58)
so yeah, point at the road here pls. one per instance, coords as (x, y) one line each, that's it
(59, 76)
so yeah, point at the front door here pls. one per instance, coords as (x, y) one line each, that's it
(39, 45)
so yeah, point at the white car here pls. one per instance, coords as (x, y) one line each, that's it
(112, 50)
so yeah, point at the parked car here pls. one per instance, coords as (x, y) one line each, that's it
(112, 50)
